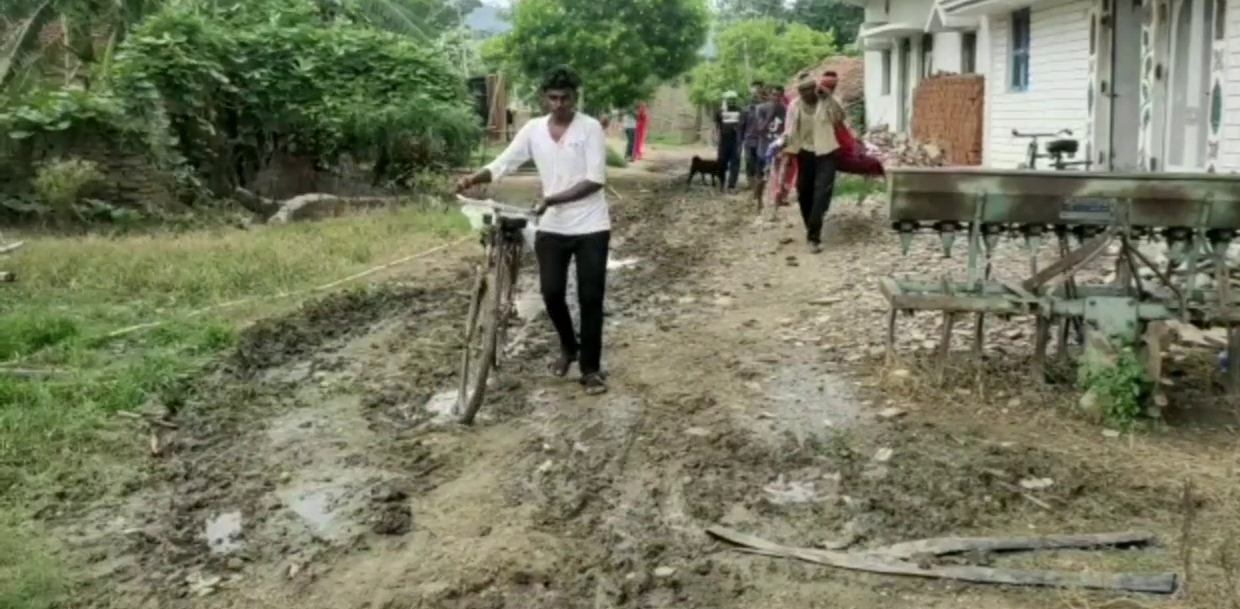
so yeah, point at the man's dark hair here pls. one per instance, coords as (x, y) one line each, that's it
(561, 77)
(757, 83)
(830, 73)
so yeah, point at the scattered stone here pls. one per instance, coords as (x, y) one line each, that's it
(393, 519)
(900, 373)
(1035, 484)
(664, 572)
(1092, 404)
(202, 585)
(697, 432)
(884, 455)
(891, 413)
(1110, 433)
(826, 301)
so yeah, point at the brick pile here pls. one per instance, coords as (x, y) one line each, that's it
(898, 150)
(947, 112)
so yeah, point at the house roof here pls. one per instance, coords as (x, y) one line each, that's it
(939, 22)
(889, 31)
(977, 8)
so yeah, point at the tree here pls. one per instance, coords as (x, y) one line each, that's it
(621, 48)
(89, 31)
(758, 49)
(734, 10)
(830, 16)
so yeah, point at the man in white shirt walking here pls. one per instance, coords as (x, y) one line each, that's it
(570, 151)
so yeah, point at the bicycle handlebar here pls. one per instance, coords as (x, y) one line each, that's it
(497, 206)
(1067, 132)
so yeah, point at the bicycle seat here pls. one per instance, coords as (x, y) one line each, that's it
(511, 223)
(1062, 146)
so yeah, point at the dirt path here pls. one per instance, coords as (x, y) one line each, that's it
(747, 389)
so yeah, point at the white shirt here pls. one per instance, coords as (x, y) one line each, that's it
(581, 154)
(628, 121)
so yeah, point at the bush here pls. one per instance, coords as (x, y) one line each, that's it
(61, 183)
(615, 159)
(238, 85)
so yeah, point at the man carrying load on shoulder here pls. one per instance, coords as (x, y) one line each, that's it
(809, 136)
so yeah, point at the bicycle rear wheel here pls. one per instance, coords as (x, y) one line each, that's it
(482, 346)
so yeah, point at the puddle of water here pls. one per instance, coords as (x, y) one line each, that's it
(442, 403)
(315, 509)
(223, 532)
(781, 492)
(804, 399)
(528, 304)
(620, 263)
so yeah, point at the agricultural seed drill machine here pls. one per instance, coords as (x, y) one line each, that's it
(1085, 214)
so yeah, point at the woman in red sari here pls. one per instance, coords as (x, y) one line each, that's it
(640, 137)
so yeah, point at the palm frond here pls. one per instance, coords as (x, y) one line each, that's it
(24, 41)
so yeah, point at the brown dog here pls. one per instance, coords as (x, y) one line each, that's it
(704, 167)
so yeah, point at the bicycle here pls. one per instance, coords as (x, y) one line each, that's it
(1056, 150)
(491, 305)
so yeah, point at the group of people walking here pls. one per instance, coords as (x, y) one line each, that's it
(796, 140)
(806, 136)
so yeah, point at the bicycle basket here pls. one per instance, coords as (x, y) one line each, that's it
(476, 215)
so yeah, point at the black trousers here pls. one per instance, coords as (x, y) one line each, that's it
(630, 139)
(753, 163)
(815, 185)
(555, 252)
(729, 162)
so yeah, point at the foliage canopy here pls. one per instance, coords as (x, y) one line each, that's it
(770, 50)
(224, 86)
(622, 49)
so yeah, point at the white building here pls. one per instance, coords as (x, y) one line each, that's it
(1144, 84)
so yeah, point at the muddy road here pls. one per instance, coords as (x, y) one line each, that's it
(747, 389)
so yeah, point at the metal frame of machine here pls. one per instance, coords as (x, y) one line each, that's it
(1198, 215)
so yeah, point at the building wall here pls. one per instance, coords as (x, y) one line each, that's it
(1229, 144)
(883, 109)
(1058, 67)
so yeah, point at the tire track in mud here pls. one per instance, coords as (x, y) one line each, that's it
(348, 496)
(226, 466)
(251, 424)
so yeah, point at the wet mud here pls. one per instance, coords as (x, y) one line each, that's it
(315, 465)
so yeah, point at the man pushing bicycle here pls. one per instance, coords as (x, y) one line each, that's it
(569, 149)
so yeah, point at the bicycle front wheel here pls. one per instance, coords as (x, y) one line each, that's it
(482, 351)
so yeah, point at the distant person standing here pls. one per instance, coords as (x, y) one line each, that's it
(751, 138)
(508, 120)
(643, 124)
(628, 121)
(769, 125)
(729, 125)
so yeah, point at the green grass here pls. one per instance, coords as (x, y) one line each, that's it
(853, 186)
(29, 577)
(60, 439)
(615, 159)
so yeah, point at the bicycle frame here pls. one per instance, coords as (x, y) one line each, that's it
(501, 231)
(1032, 153)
